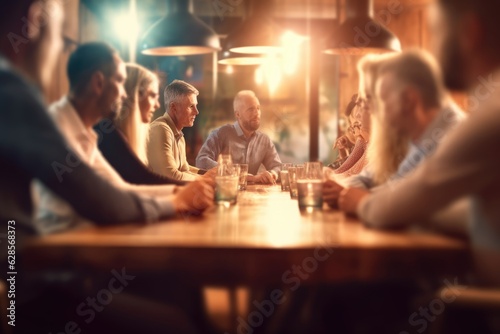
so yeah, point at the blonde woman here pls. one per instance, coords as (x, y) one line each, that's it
(123, 141)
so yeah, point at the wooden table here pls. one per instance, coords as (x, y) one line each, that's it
(262, 240)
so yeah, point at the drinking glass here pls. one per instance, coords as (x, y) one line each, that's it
(285, 185)
(226, 181)
(224, 165)
(242, 184)
(310, 186)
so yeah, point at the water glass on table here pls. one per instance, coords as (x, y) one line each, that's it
(242, 184)
(226, 181)
(310, 186)
(294, 173)
(285, 185)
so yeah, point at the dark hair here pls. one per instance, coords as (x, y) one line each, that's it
(351, 105)
(87, 59)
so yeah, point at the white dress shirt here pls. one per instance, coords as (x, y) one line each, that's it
(52, 212)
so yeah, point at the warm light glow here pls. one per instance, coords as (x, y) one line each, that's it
(291, 44)
(272, 72)
(285, 62)
(259, 75)
(241, 61)
(125, 26)
(229, 69)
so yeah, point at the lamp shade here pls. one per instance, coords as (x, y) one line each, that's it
(256, 35)
(360, 33)
(179, 33)
(236, 59)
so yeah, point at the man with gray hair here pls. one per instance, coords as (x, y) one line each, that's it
(167, 147)
(243, 141)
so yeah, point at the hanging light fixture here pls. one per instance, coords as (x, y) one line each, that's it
(235, 59)
(179, 32)
(360, 33)
(256, 36)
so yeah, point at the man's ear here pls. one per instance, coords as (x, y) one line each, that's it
(236, 114)
(97, 82)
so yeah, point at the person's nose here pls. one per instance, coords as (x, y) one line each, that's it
(157, 104)
(123, 93)
(196, 111)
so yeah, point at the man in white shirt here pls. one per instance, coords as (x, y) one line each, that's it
(97, 74)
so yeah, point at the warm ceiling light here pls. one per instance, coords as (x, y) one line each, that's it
(258, 34)
(233, 59)
(360, 33)
(179, 33)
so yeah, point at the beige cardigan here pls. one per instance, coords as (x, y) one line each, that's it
(167, 150)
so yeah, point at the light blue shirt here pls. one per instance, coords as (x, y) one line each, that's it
(229, 139)
(418, 151)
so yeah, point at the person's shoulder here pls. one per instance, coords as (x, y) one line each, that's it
(17, 90)
(223, 130)
(161, 122)
(263, 136)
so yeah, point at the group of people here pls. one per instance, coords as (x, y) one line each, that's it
(94, 155)
(105, 122)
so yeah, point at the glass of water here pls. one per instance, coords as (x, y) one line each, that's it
(310, 186)
(226, 181)
(242, 184)
(285, 185)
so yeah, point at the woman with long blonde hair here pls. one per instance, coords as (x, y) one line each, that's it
(125, 144)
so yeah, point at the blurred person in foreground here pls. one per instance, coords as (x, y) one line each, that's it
(167, 146)
(467, 46)
(413, 110)
(123, 140)
(30, 145)
(244, 142)
(468, 49)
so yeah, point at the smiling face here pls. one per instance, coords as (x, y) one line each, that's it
(185, 111)
(148, 101)
(247, 113)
